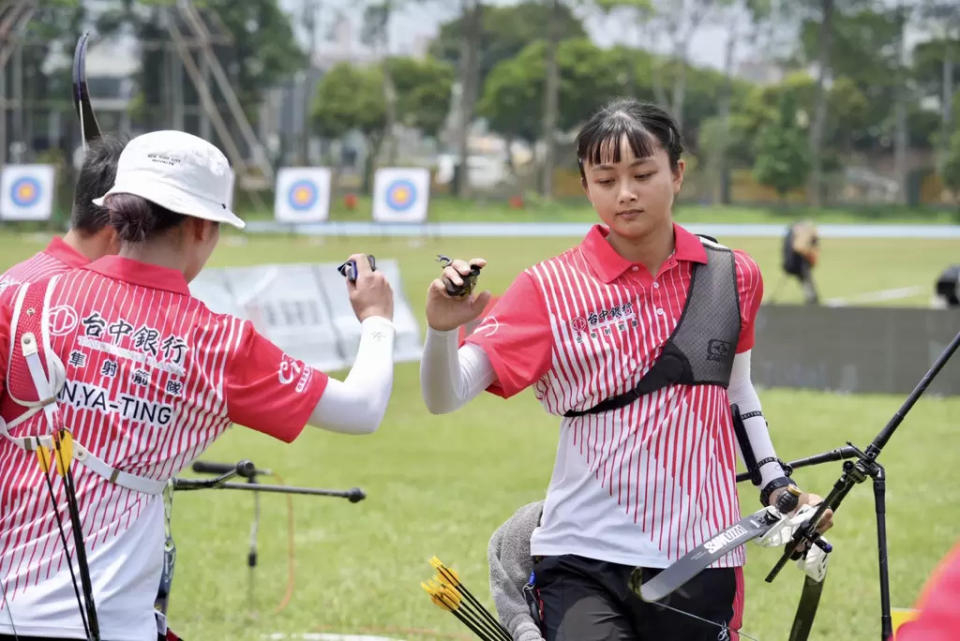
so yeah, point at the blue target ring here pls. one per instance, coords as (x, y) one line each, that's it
(302, 195)
(25, 191)
(401, 194)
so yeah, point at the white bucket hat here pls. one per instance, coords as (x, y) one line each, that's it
(179, 172)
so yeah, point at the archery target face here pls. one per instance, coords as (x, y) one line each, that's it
(303, 195)
(401, 195)
(26, 192)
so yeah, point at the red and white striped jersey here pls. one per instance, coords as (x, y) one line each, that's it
(643, 484)
(153, 377)
(57, 258)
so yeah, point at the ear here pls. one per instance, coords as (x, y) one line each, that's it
(195, 228)
(203, 229)
(678, 176)
(111, 239)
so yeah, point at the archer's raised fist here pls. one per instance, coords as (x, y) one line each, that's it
(446, 312)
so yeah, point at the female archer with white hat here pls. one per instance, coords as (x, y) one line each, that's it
(144, 377)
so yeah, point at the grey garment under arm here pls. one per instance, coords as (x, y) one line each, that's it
(510, 568)
(742, 394)
(357, 404)
(449, 377)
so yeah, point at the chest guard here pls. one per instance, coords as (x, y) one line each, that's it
(34, 377)
(701, 348)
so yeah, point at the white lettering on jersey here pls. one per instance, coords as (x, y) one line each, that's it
(110, 348)
(63, 319)
(304, 379)
(289, 370)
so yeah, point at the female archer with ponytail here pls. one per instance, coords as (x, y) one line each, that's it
(640, 362)
(145, 377)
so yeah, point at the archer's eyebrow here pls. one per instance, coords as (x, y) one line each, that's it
(606, 166)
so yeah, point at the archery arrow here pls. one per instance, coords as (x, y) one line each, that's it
(44, 457)
(448, 592)
(63, 447)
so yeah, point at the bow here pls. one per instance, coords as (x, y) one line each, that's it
(89, 128)
(60, 453)
(770, 527)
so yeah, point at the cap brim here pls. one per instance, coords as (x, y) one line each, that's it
(175, 199)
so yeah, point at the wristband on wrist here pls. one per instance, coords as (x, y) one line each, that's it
(775, 484)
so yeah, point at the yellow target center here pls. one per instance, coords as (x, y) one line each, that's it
(301, 195)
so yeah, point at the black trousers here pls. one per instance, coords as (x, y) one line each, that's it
(588, 600)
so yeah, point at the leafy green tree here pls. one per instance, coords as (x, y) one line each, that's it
(510, 90)
(423, 92)
(588, 79)
(505, 31)
(261, 52)
(951, 165)
(350, 98)
(783, 160)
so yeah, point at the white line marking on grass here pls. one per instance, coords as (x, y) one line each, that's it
(481, 229)
(875, 297)
(324, 636)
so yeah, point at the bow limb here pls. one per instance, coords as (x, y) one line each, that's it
(89, 128)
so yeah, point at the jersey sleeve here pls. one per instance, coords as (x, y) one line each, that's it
(516, 337)
(7, 297)
(268, 390)
(750, 290)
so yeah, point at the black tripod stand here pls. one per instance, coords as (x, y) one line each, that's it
(863, 464)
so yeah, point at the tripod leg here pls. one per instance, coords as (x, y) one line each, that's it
(879, 499)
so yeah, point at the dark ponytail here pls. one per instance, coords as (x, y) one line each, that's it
(137, 219)
(642, 123)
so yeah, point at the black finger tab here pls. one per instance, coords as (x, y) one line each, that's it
(469, 281)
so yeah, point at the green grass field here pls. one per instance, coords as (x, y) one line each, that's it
(441, 485)
(449, 209)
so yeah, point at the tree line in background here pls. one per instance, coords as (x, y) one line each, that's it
(859, 78)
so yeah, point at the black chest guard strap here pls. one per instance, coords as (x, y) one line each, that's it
(701, 349)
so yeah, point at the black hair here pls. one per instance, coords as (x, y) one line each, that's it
(137, 219)
(642, 123)
(96, 177)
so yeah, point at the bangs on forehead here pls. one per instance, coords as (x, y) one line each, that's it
(608, 141)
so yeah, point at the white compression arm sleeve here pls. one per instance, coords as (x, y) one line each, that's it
(449, 377)
(356, 405)
(743, 395)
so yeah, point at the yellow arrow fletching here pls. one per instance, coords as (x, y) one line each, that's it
(43, 456)
(437, 563)
(64, 446)
(449, 576)
(450, 596)
(435, 595)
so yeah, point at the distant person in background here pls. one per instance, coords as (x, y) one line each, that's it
(90, 236)
(801, 248)
(948, 287)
